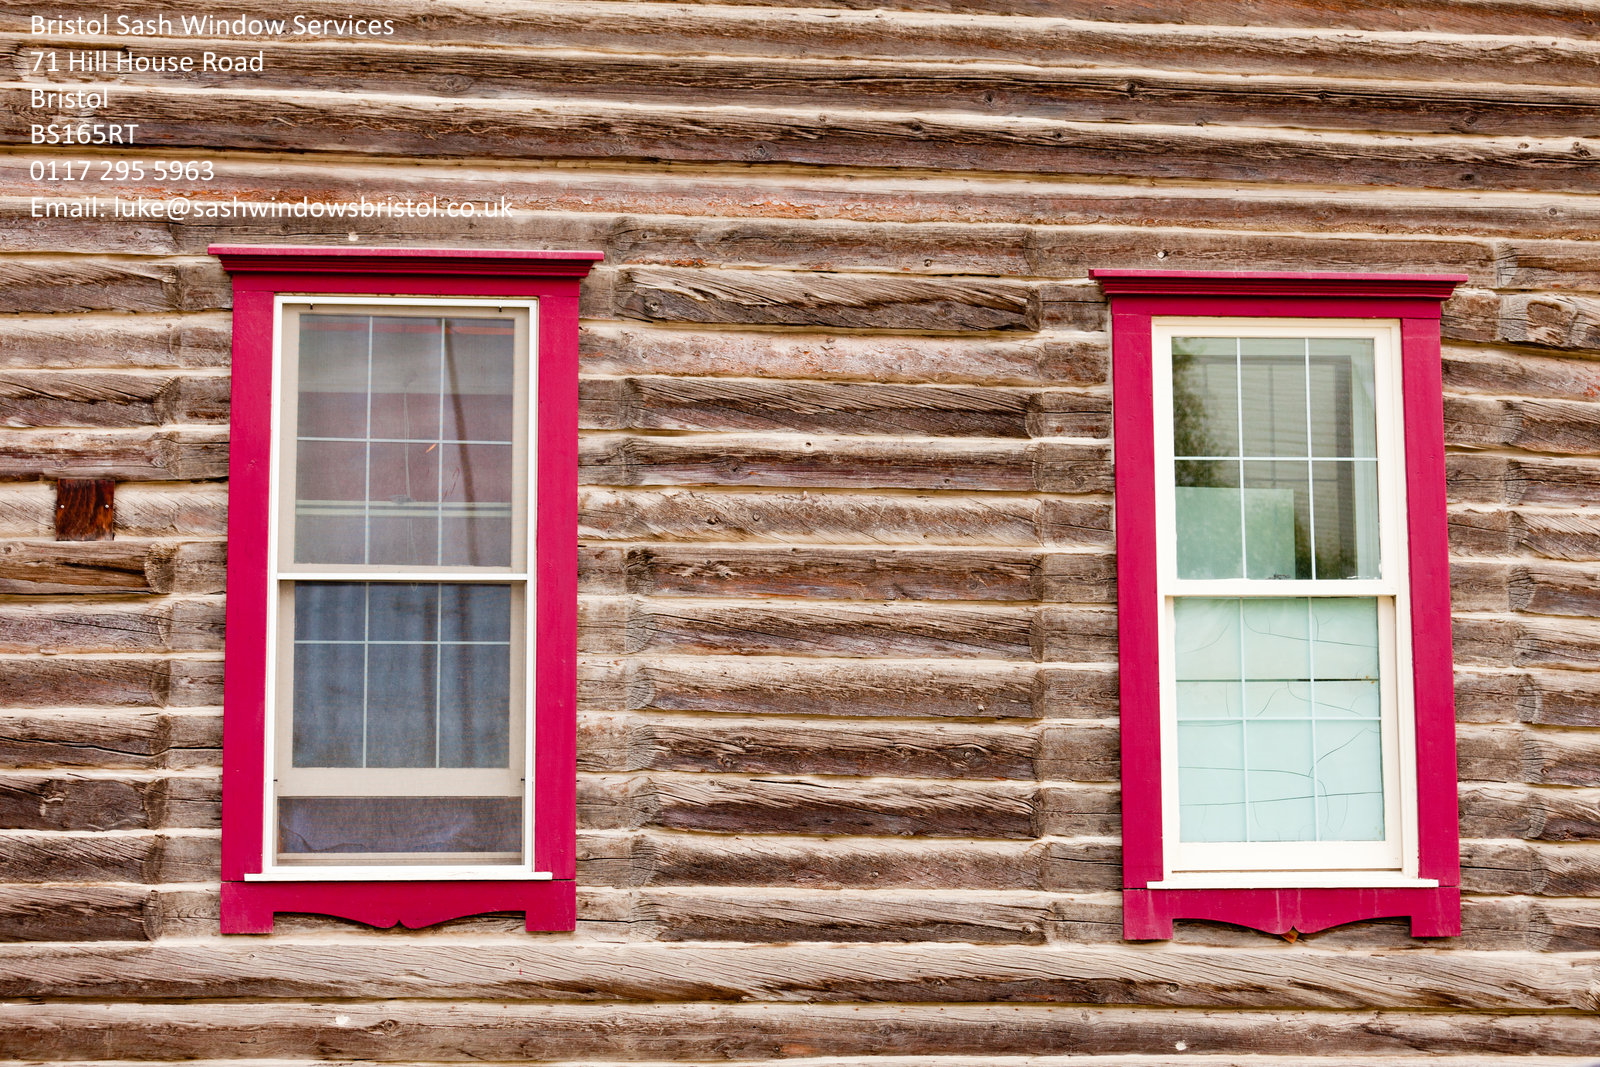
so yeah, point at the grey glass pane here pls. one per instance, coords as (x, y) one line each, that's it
(1343, 402)
(1282, 804)
(1205, 392)
(475, 612)
(1349, 781)
(480, 378)
(403, 611)
(1275, 643)
(407, 377)
(1272, 374)
(442, 825)
(329, 695)
(1277, 537)
(1206, 636)
(423, 473)
(1345, 495)
(332, 400)
(474, 706)
(401, 694)
(420, 676)
(1211, 797)
(330, 611)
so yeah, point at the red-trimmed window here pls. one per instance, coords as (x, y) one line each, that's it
(1288, 745)
(398, 740)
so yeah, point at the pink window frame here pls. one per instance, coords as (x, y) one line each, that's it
(260, 274)
(1415, 301)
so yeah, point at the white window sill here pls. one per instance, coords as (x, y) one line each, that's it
(1293, 880)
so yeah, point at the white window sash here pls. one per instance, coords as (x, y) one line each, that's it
(1265, 864)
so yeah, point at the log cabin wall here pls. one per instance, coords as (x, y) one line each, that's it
(848, 728)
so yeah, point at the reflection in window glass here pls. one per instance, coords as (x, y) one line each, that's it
(1275, 457)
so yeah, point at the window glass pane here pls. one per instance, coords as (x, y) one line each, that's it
(1292, 492)
(1272, 399)
(1344, 413)
(402, 674)
(1278, 704)
(349, 826)
(1205, 397)
(1207, 638)
(1211, 781)
(405, 444)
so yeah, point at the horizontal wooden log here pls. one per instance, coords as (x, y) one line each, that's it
(1432, 50)
(838, 518)
(835, 915)
(609, 348)
(1550, 320)
(1082, 94)
(659, 858)
(1479, 585)
(34, 285)
(833, 806)
(95, 342)
(653, 403)
(906, 631)
(33, 681)
(743, 685)
(1529, 868)
(736, 192)
(110, 398)
(173, 455)
(175, 510)
(1507, 372)
(1532, 814)
(109, 740)
(554, 127)
(1076, 752)
(76, 913)
(28, 857)
(1532, 480)
(1560, 698)
(759, 460)
(1560, 426)
(1539, 924)
(1564, 535)
(55, 802)
(613, 743)
(1479, 532)
(427, 1032)
(1108, 975)
(1555, 589)
(850, 574)
(830, 301)
(171, 625)
(112, 567)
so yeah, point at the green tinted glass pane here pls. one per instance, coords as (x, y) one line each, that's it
(1272, 376)
(1211, 781)
(1205, 391)
(1301, 676)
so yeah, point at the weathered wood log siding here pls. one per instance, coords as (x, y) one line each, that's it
(848, 769)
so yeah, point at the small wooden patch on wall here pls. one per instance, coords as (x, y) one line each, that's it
(85, 509)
